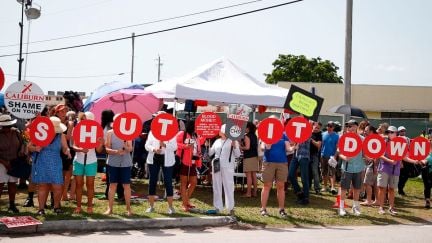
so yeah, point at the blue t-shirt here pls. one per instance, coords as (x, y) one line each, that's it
(277, 152)
(329, 144)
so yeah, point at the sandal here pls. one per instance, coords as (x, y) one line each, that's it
(246, 196)
(77, 210)
(89, 210)
(58, 211)
(41, 212)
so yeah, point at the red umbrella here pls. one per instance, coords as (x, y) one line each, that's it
(138, 101)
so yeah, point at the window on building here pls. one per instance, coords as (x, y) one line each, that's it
(404, 115)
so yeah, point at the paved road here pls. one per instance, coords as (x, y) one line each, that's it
(395, 233)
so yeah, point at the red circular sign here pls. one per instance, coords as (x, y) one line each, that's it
(127, 126)
(270, 130)
(397, 148)
(374, 146)
(208, 124)
(350, 144)
(164, 127)
(2, 79)
(419, 148)
(87, 133)
(41, 131)
(298, 129)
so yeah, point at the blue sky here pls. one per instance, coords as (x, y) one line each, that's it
(391, 39)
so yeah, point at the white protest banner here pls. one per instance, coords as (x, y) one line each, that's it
(24, 99)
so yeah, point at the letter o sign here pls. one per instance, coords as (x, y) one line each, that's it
(350, 144)
(164, 127)
(374, 146)
(127, 126)
(270, 130)
(298, 129)
(86, 134)
(41, 131)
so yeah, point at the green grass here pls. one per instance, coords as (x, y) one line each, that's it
(318, 212)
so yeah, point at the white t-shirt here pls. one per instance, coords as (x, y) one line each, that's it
(91, 157)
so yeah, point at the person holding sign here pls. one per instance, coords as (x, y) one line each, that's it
(388, 175)
(85, 164)
(47, 166)
(251, 161)
(10, 144)
(161, 155)
(189, 152)
(225, 151)
(119, 169)
(352, 168)
(427, 177)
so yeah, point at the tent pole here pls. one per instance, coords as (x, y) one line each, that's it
(175, 108)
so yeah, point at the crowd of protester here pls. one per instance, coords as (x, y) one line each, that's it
(61, 169)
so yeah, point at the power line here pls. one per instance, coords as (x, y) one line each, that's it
(159, 31)
(135, 25)
(74, 77)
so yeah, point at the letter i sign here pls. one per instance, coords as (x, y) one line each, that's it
(270, 130)
(164, 127)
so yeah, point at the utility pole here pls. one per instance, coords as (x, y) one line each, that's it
(133, 57)
(348, 55)
(159, 68)
(21, 25)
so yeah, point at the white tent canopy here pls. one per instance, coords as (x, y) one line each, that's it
(221, 81)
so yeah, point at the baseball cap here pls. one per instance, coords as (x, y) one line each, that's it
(60, 107)
(401, 128)
(392, 129)
(352, 122)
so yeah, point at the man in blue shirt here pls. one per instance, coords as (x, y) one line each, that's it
(328, 149)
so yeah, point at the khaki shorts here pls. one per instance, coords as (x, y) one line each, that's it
(370, 178)
(326, 169)
(275, 171)
(251, 164)
(384, 180)
(4, 177)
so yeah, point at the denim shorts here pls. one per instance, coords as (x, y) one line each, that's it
(120, 175)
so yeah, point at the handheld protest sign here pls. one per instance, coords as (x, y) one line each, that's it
(164, 127)
(127, 126)
(208, 124)
(41, 131)
(374, 146)
(397, 148)
(298, 129)
(270, 130)
(350, 144)
(24, 99)
(2, 79)
(237, 118)
(303, 102)
(87, 133)
(419, 148)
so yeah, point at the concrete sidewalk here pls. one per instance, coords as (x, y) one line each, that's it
(118, 224)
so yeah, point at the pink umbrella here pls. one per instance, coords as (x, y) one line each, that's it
(138, 101)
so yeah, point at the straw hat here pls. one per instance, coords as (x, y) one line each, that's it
(59, 127)
(6, 120)
(89, 115)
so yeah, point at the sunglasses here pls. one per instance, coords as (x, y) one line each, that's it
(390, 132)
(402, 131)
(329, 126)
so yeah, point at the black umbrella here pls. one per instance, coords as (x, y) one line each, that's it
(348, 110)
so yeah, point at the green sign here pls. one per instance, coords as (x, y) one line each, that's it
(303, 102)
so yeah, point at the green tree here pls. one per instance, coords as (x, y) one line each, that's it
(301, 69)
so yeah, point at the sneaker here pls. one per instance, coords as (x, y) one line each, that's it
(341, 212)
(170, 211)
(304, 201)
(323, 189)
(41, 212)
(13, 209)
(381, 211)
(282, 213)
(28, 203)
(402, 193)
(264, 212)
(356, 211)
(427, 205)
(333, 191)
(150, 210)
(392, 211)
(318, 192)
(176, 196)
